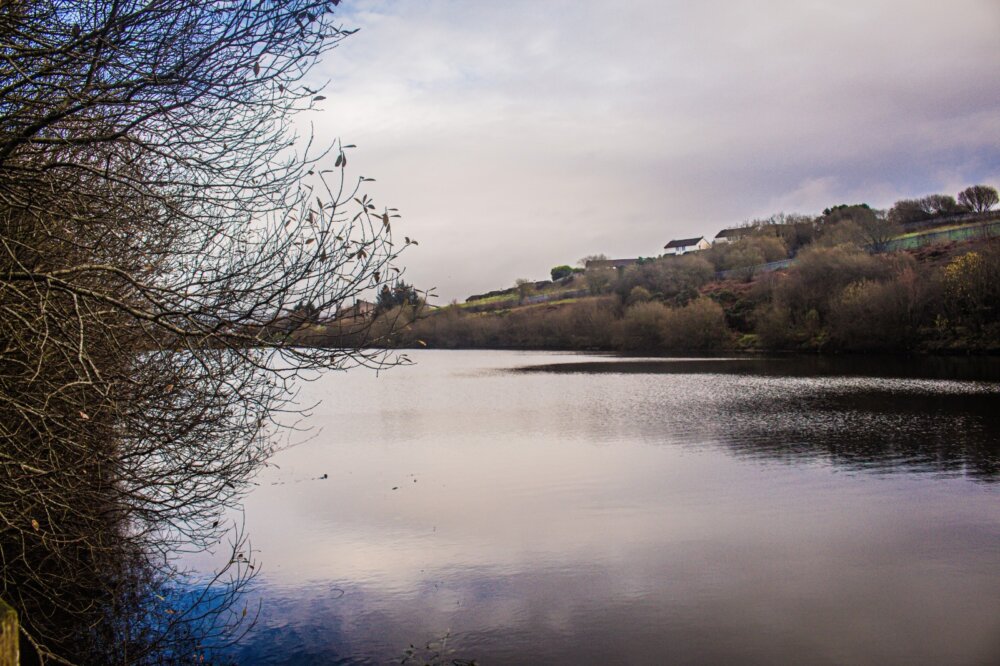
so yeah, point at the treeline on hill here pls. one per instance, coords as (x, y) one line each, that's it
(833, 298)
(841, 292)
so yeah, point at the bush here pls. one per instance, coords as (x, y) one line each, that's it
(666, 277)
(583, 325)
(638, 294)
(972, 286)
(642, 327)
(738, 306)
(871, 315)
(588, 323)
(758, 248)
(452, 328)
(774, 327)
(821, 274)
(560, 272)
(843, 232)
(796, 231)
(599, 280)
(699, 325)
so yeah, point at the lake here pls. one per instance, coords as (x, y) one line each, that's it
(540, 508)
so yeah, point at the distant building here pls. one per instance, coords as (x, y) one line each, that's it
(732, 235)
(360, 310)
(620, 264)
(685, 245)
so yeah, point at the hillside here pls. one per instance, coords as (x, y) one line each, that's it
(852, 279)
(831, 296)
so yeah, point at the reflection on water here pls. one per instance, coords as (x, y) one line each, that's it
(937, 414)
(594, 509)
(984, 368)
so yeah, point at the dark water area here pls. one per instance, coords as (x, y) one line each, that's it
(959, 368)
(537, 508)
(950, 425)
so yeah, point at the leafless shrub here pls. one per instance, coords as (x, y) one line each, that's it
(872, 315)
(667, 277)
(638, 294)
(642, 327)
(161, 232)
(821, 273)
(582, 325)
(699, 325)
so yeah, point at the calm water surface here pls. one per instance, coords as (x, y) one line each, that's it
(533, 508)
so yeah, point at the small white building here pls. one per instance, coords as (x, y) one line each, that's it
(685, 245)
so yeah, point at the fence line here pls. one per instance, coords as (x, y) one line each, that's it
(961, 234)
(912, 243)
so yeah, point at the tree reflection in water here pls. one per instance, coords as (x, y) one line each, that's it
(872, 413)
(119, 608)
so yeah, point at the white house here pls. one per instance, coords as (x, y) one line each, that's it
(685, 245)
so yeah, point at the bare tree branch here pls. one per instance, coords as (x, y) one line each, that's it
(162, 232)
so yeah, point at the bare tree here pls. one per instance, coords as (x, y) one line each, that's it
(161, 227)
(906, 211)
(939, 205)
(979, 198)
(524, 288)
(877, 229)
(591, 257)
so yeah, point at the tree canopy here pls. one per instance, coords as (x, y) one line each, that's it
(979, 198)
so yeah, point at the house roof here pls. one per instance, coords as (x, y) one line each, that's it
(683, 242)
(734, 232)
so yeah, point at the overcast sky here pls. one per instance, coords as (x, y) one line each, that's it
(515, 136)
